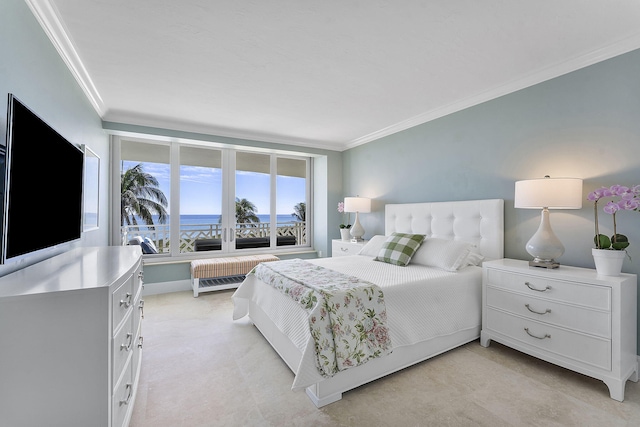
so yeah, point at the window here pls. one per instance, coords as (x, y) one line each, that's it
(200, 199)
(144, 196)
(291, 201)
(213, 198)
(252, 200)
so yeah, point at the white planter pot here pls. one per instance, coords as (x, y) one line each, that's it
(608, 262)
(344, 234)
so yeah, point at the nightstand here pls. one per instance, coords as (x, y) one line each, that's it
(568, 316)
(345, 247)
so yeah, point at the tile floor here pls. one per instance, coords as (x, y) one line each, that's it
(200, 368)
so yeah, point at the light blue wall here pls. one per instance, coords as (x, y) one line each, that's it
(585, 124)
(32, 70)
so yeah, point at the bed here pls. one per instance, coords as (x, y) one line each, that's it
(431, 305)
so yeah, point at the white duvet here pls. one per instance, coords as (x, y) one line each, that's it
(422, 303)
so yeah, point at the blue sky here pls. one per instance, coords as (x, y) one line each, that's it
(201, 189)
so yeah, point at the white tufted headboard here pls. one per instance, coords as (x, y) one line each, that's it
(480, 222)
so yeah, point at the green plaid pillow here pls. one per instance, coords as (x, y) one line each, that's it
(399, 248)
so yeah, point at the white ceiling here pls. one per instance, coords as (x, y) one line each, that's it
(330, 74)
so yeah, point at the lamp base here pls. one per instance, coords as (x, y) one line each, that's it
(544, 263)
(544, 246)
(357, 231)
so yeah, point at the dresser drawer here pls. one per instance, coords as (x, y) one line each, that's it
(590, 321)
(138, 279)
(122, 346)
(593, 296)
(122, 398)
(137, 352)
(565, 344)
(123, 299)
(138, 310)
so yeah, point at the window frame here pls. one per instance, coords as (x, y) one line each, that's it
(228, 195)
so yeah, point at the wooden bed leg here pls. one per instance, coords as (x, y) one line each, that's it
(321, 401)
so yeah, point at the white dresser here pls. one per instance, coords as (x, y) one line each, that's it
(70, 342)
(345, 247)
(568, 316)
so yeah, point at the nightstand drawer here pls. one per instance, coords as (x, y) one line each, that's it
(597, 322)
(585, 322)
(565, 291)
(344, 248)
(550, 339)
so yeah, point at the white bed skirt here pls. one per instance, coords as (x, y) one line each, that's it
(330, 390)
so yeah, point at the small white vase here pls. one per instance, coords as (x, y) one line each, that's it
(608, 262)
(344, 234)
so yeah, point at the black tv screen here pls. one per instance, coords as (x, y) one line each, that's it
(42, 185)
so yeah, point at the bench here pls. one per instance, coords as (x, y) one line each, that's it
(213, 274)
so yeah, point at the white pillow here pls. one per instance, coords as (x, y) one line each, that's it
(373, 246)
(136, 240)
(448, 255)
(474, 258)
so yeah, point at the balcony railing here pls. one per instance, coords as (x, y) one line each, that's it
(160, 234)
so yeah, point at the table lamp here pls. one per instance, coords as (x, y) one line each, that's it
(547, 193)
(358, 205)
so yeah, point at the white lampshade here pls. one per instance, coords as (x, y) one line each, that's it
(547, 193)
(552, 193)
(357, 204)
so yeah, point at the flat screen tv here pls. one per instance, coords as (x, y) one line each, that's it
(42, 188)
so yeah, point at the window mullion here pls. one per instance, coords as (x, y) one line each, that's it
(273, 227)
(228, 199)
(174, 191)
(117, 236)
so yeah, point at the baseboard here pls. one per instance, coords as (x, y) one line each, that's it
(166, 287)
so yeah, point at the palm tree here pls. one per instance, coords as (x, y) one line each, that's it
(300, 213)
(141, 198)
(246, 212)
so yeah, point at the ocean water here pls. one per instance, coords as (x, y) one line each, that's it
(215, 219)
(198, 221)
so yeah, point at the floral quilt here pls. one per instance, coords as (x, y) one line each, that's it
(347, 316)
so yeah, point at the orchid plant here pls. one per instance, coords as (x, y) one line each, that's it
(629, 201)
(341, 210)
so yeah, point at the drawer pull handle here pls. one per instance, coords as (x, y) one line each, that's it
(141, 307)
(535, 336)
(126, 301)
(535, 289)
(126, 401)
(127, 347)
(548, 310)
(140, 342)
(344, 249)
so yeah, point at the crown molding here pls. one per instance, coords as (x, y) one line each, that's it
(151, 125)
(50, 22)
(539, 76)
